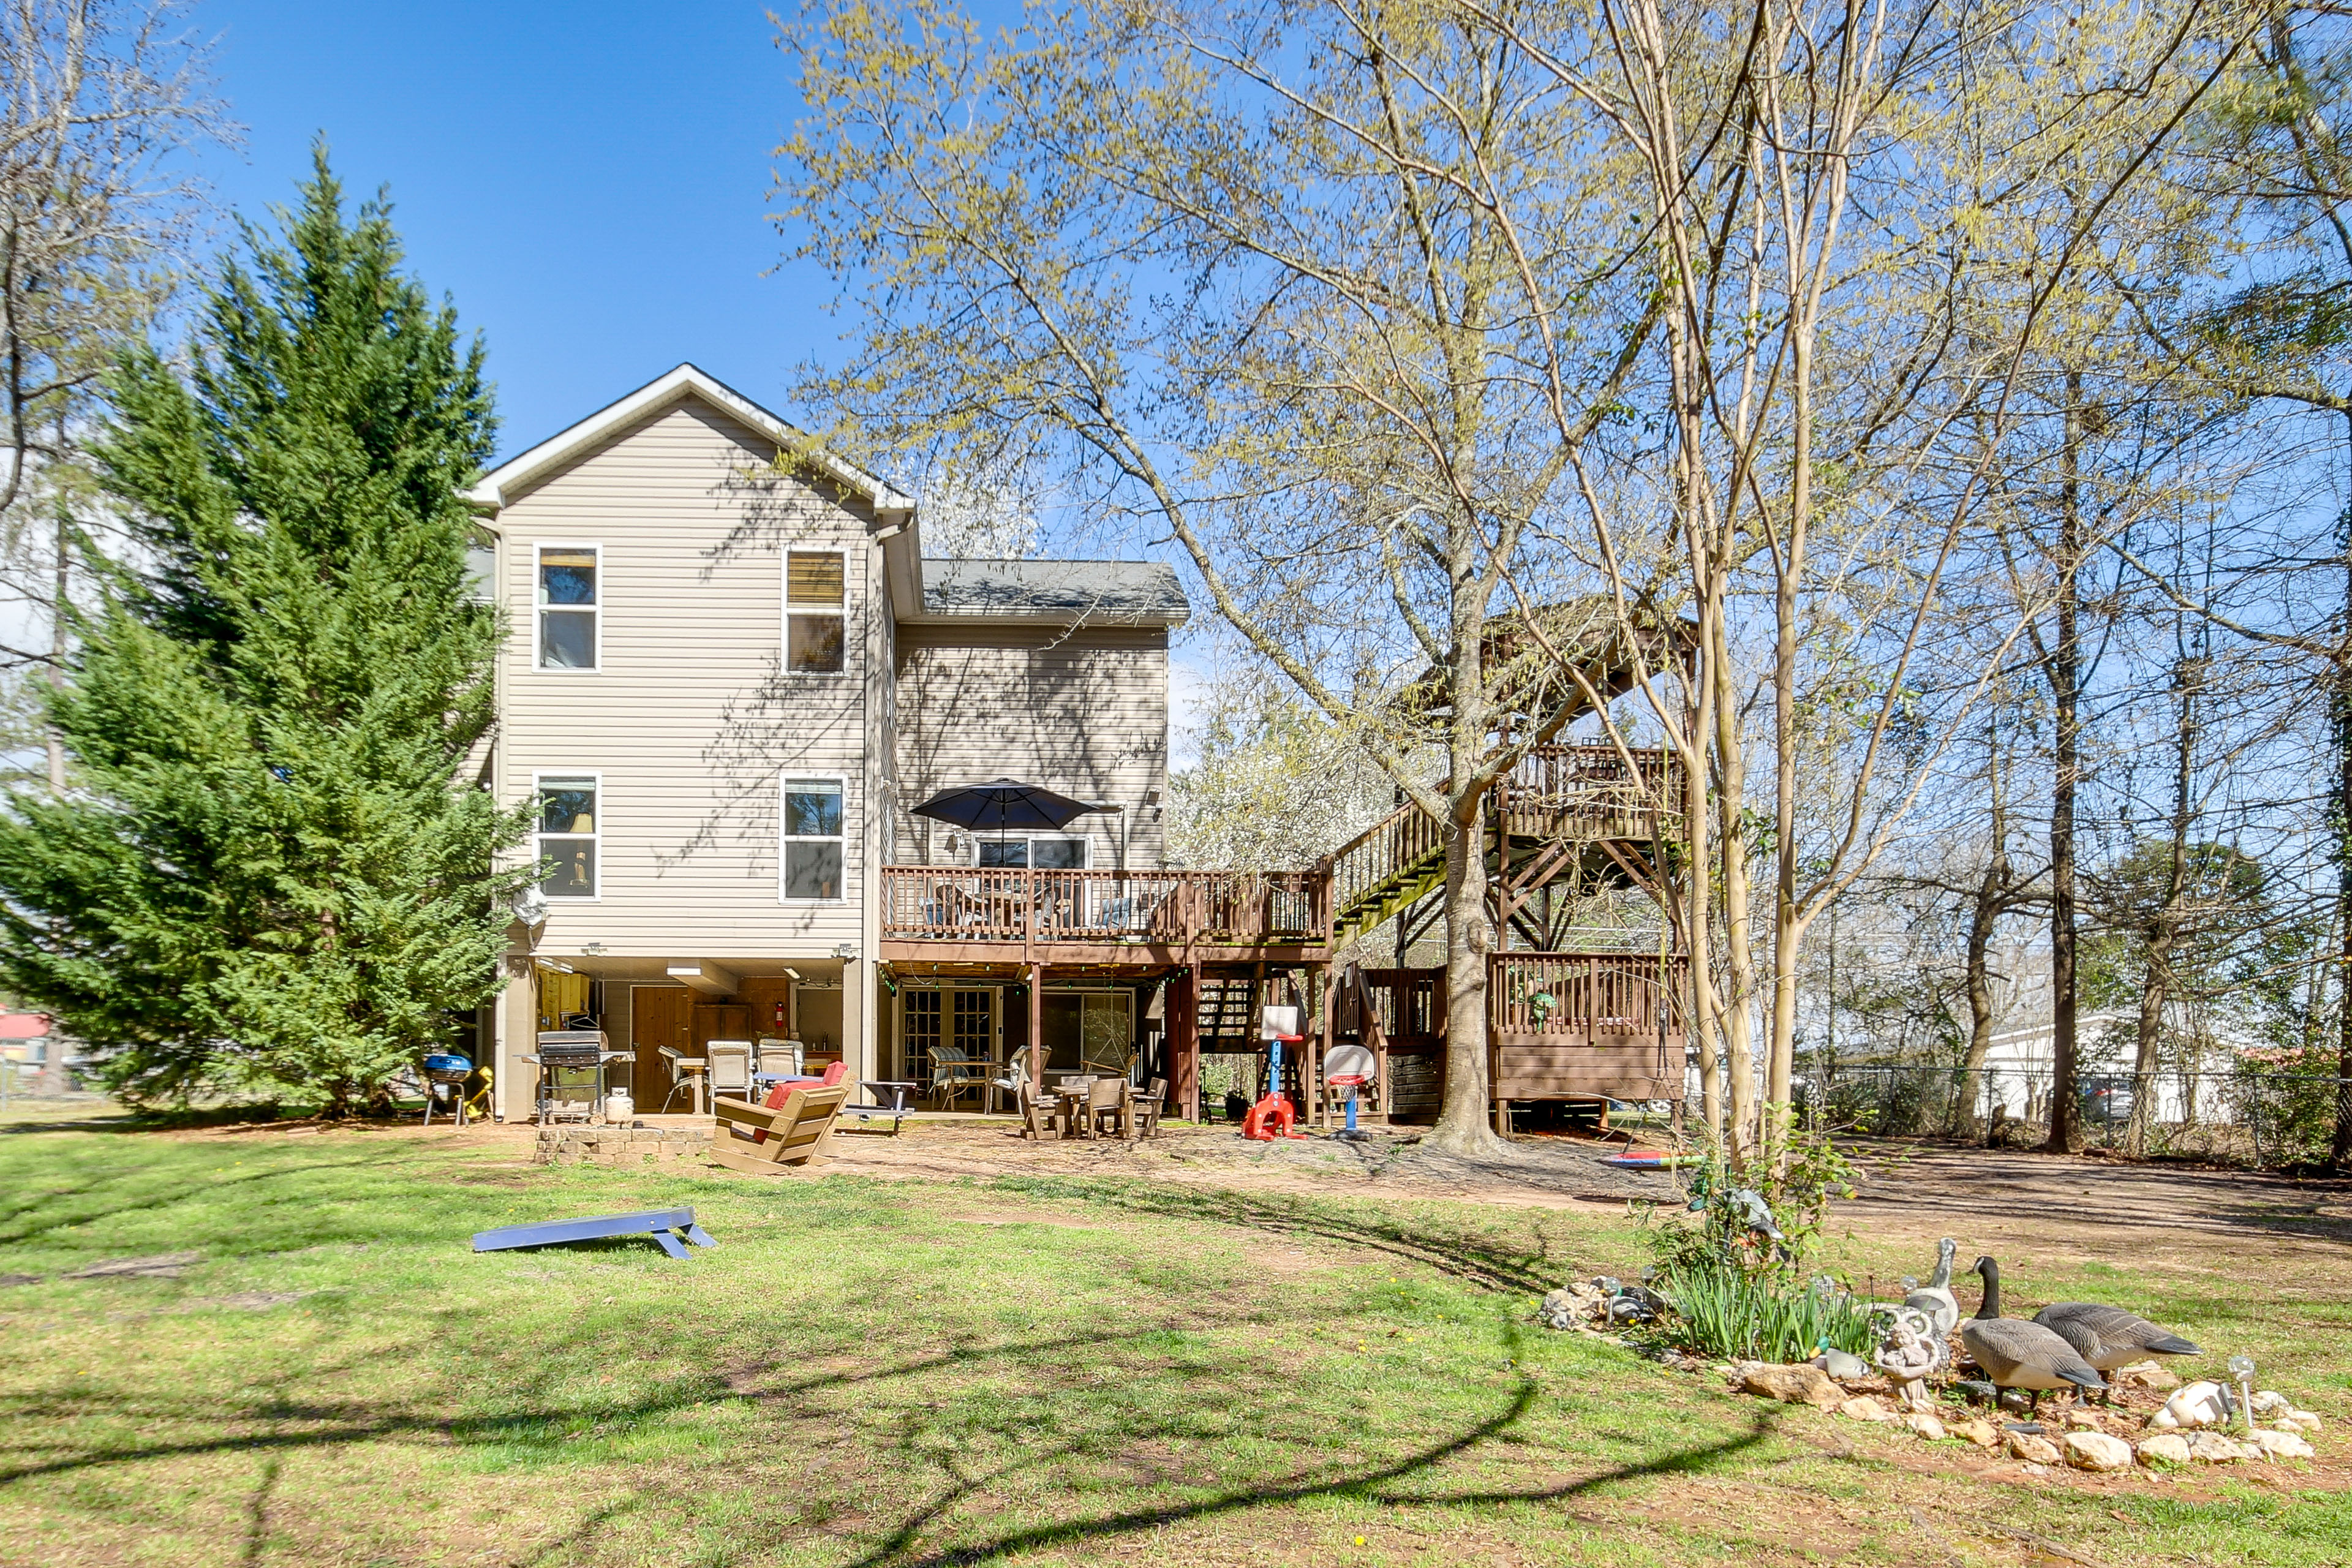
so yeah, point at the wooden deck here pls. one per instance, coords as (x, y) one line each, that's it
(954, 914)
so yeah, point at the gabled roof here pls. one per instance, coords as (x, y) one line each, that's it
(515, 475)
(1129, 593)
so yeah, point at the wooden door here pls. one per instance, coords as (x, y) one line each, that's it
(659, 1015)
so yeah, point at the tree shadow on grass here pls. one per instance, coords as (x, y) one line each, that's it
(1479, 1260)
(1381, 1485)
(149, 1200)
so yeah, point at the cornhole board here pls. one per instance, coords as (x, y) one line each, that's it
(656, 1223)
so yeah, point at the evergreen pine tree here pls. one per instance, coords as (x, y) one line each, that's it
(267, 873)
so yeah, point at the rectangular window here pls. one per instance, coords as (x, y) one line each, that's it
(567, 836)
(815, 630)
(812, 840)
(1044, 854)
(569, 606)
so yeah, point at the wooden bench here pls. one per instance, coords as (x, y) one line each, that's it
(765, 1142)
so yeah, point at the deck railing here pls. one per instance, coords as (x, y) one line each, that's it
(1588, 993)
(955, 903)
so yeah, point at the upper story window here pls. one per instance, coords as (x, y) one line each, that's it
(567, 835)
(812, 840)
(1043, 854)
(815, 630)
(571, 606)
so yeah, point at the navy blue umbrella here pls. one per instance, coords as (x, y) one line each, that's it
(1004, 805)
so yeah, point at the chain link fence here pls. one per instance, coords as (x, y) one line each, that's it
(2236, 1117)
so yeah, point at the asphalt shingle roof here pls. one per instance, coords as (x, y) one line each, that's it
(1069, 590)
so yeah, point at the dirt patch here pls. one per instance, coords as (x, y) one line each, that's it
(162, 1266)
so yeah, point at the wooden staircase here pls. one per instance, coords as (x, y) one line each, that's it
(1228, 1013)
(1557, 795)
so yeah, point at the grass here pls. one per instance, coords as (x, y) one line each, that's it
(924, 1373)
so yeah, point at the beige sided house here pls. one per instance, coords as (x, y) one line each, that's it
(731, 671)
(724, 684)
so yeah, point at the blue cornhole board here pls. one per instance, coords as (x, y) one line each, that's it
(656, 1223)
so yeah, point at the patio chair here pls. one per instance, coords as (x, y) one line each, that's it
(730, 1068)
(783, 1056)
(1037, 1116)
(1015, 1081)
(762, 1142)
(1143, 1109)
(685, 1073)
(953, 1071)
(1107, 1101)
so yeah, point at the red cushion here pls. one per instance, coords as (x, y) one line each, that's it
(775, 1100)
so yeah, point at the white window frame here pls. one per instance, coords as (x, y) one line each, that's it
(784, 840)
(1028, 854)
(842, 613)
(596, 839)
(539, 610)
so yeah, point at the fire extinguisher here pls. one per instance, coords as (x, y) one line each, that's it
(780, 1015)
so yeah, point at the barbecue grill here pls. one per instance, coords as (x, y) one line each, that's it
(572, 1065)
(445, 1073)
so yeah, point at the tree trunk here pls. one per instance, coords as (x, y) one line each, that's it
(2339, 1147)
(1738, 1018)
(2065, 675)
(1461, 1125)
(56, 672)
(1984, 921)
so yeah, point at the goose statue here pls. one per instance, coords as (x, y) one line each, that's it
(2015, 1354)
(1935, 1298)
(2109, 1337)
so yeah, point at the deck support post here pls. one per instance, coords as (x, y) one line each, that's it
(1322, 1036)
(1036, 1031)
(1184, 1041)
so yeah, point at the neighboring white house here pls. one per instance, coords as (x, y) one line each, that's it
(729, 671)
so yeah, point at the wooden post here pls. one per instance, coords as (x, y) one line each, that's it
(1184, 1041)
(1323, 1046)
(1036, 1031)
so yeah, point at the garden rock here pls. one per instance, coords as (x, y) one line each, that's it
(2097, 1451)
(2302, 1421)
(1862, 1408)
(2083, 1420)
(2032, 1450)
(1925, 1424)
(2164, 1448)
(2269, 1402)
(2213, 1448)
(1792, 1384)
(2282, 1446)
(2148, 1374)
(1978, 1430)
(1572, 1307)
(2199, 1404)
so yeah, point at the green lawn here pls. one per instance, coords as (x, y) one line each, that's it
(888, 1373)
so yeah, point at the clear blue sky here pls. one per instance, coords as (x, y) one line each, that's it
(586, 180)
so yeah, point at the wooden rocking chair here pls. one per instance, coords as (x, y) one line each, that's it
(765, 1142)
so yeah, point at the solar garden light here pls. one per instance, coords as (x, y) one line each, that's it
(2241, 1367)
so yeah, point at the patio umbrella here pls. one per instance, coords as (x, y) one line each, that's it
(1004, 805)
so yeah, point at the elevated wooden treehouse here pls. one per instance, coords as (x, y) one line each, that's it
(1572, 1014)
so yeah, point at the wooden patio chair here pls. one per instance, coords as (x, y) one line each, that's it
(1107, 1100)
(1143, 1109)
(765, 1142)
(1038, 1117)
